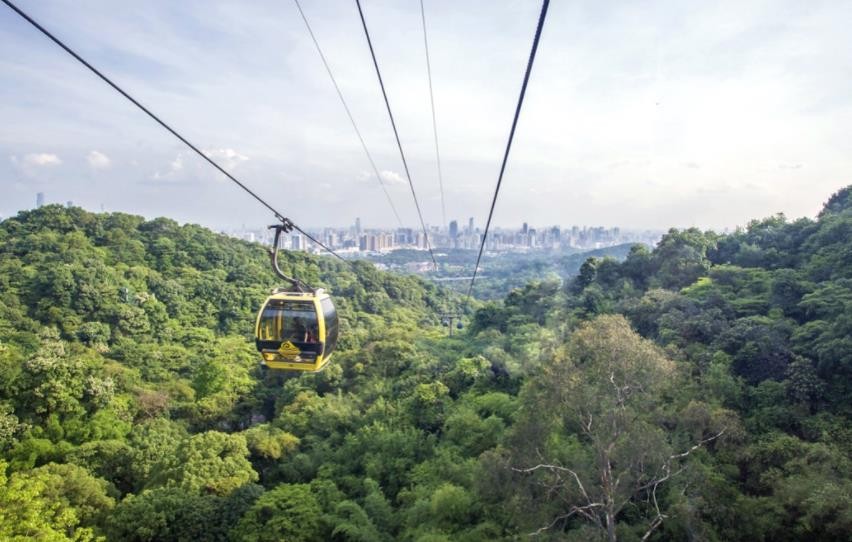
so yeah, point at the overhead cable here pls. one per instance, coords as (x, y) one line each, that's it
(434, 120)
(396, 133)
(542, 16)
(348, 112)
(286, 221)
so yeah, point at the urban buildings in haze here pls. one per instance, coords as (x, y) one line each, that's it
(356, 239)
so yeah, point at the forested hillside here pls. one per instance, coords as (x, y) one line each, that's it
(696, 391)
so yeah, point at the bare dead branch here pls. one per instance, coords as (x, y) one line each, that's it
(556, 520)
(699, 445)
(654, 524)
(558, 469)
(582, 510)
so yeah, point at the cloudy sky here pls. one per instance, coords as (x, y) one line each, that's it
(643, 114)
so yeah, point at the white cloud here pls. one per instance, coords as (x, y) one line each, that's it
(172, 171)
(186, 167)
(41, 159)
(98, 160)
(392, 177)
(227, 158)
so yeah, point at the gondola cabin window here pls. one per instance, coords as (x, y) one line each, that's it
(284, 320)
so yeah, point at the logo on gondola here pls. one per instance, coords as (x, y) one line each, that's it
(288, 349)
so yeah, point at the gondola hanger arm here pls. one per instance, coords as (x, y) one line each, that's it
(285, 227)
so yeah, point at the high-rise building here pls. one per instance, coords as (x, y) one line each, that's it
(525, 229)
(40, 199)
(358, 226)
(454, 229)
(470, 225)
(330, 238)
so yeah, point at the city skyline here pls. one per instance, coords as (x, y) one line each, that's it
(356, 239)
(41, 198)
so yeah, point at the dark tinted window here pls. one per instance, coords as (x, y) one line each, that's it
(288, 320)
(331, 325)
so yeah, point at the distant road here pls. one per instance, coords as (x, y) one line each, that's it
(447, 279)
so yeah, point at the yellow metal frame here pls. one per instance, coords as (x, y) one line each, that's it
(275, 359)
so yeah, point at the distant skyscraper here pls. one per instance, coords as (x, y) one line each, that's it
(69, 204)
(358, 226)
(40, 199)
(454, 229)
(525, 228)
(470, 225)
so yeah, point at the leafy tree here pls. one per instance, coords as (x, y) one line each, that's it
(594, 415)
(839, 202)
(32, 509)
(165, 514)
(53, 382)
(210, 462)
(269, 442)
(681, 257)
(352, 524)
(289, 512)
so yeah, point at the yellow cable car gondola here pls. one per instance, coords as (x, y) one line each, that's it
(296, 327)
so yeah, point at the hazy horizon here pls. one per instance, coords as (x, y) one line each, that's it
(642, 117)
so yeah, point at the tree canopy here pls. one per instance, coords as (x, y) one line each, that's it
(694, 391)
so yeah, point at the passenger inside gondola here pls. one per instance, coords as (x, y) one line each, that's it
(304, 331)
(299, 332)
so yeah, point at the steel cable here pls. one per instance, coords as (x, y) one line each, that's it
(396, 133)
(434, 119)
(538, 30)
(348, 113)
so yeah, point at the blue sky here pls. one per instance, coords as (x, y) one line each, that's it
(639, 114)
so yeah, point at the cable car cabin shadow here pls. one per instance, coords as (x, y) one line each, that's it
(297, 331)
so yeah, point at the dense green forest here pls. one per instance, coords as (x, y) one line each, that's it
(696, 391)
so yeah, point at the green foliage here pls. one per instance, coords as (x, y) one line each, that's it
(210, 462)
(270, 442)
(179, 515)
(698, 391)
(51, 504)
(839, 202)
(288, 512)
